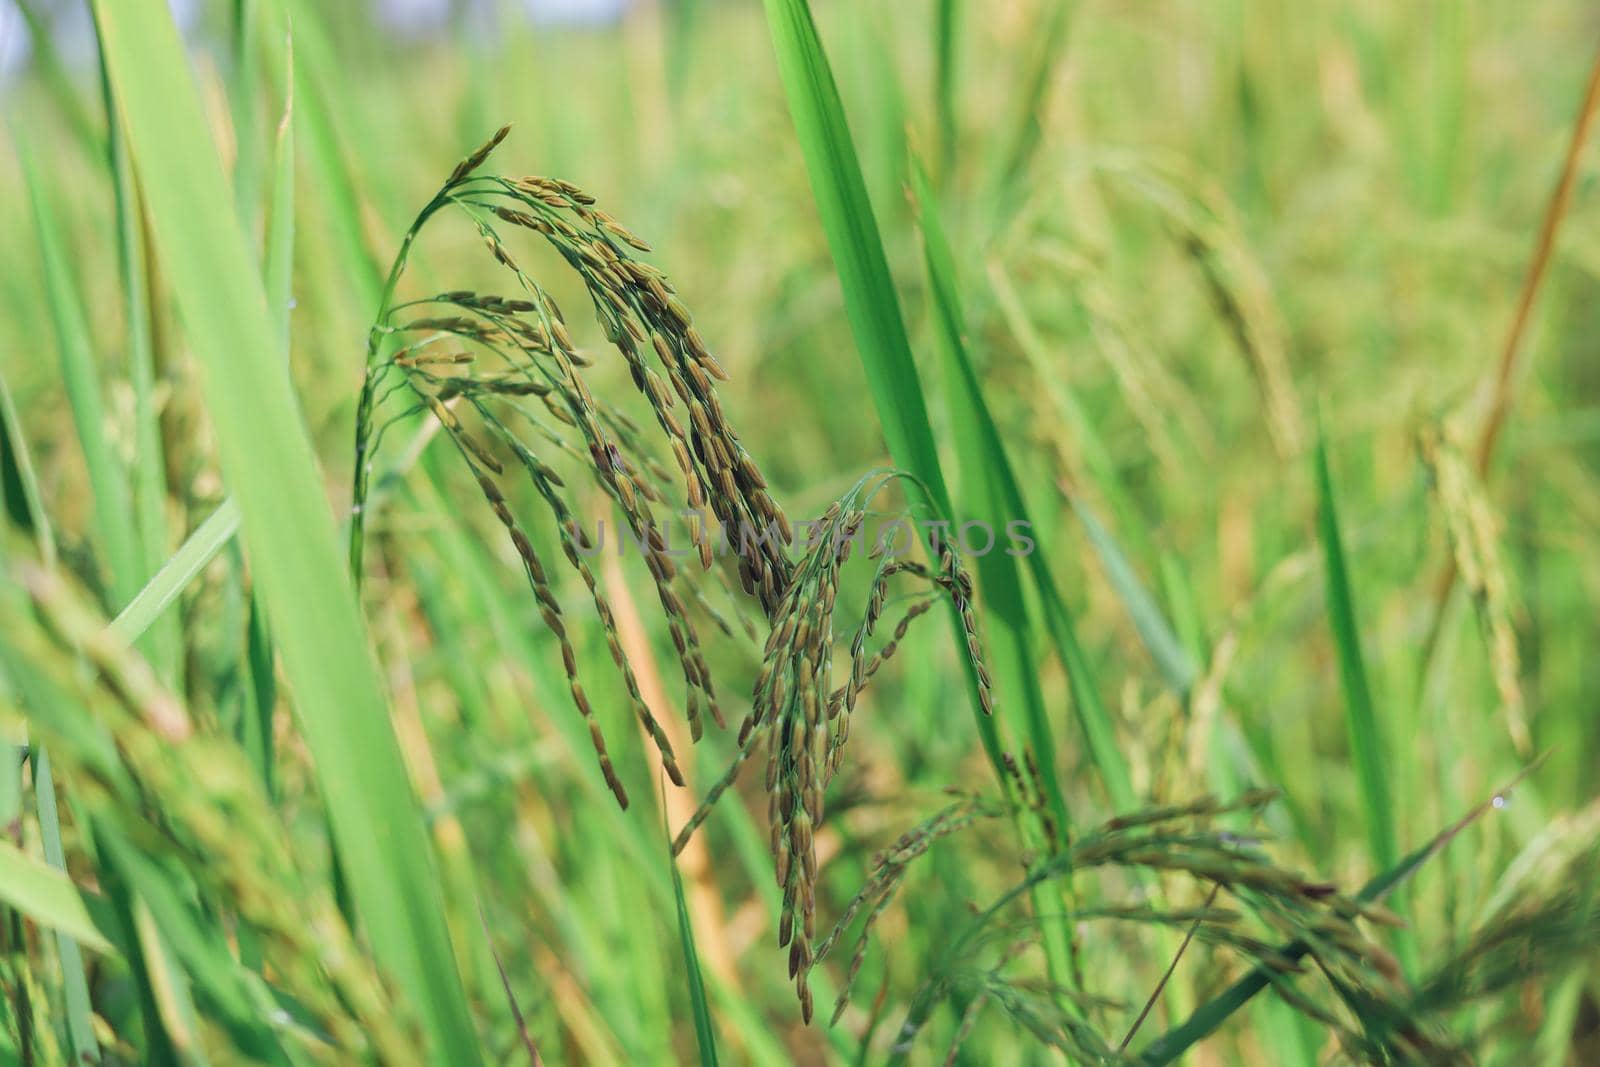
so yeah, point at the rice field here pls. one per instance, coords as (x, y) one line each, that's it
(799, 532)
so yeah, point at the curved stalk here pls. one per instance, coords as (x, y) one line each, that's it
(362, 475)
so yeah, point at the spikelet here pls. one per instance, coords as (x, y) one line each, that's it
(475, 160)
(521, 368)
(800, 720)
(1475, 542)
(529, 352)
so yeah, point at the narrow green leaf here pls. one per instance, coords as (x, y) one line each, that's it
(199, 549)
(48, 897)
(989, 495)
(161, 644)
(279, 258)
(946, 41)
(871, 304)
(243, 106)
(278, 274)
(313, 72)
(1148, 619)
(74, 982)
(19, 486)
(705, 1034)
(986, 466)
(268, 463)
(1188, 623)
(1367, 750)
(113, 511)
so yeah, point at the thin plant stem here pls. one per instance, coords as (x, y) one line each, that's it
(1512, 357)
(361, 476)
(1155, 994)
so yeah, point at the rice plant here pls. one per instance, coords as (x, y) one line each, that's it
(1103, 575)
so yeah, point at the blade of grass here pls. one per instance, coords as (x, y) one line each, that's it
(242, 99)
(871, 304)
(1367, 743)
(278, 270)
(984, 452)
(268, 462)
(705, 1034)
(947, 35)
(867, 38)
(314, 74)
(75, 985)
(989, 492)
(113, 524)
(48, 897)
(19, 486)
(1093, 717)
(163, 588)
(161, 644)
(1148, 619)
(990, 495)
(278, 274)
(1367, 749)
(847, 219)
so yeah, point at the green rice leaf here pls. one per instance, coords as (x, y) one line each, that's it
(164, 587)
(1367, 748)
(989, 494)
(74, 982)
(870, 300)
(986, 465)
(113, 527)
(268, 462)
(1148, 619)
(279, 259)
(161, 643)
(19, 485)
(705, 1033)
(48, 897)
(946, 54)
(871, 303)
